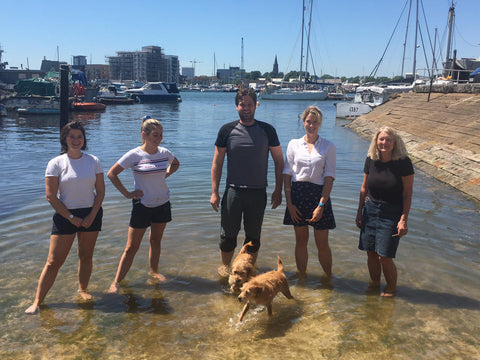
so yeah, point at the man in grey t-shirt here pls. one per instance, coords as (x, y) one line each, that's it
(247, 143)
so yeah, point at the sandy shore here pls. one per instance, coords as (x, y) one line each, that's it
(442, 135)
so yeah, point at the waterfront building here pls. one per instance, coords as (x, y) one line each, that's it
(188, 73)
(149, 64)
(97, 71)
(230, 75)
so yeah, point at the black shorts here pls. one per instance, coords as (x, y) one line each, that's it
(142, 216)
(62, 226)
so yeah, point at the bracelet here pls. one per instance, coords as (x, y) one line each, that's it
(321, 204)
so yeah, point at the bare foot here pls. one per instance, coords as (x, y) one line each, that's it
(32, 310)
(373, 287)
(85, 295)
(224, 271)
(388, 293)
(114, 288)
(158, 277)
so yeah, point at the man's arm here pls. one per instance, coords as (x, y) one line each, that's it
(216, 173)
(277, 156)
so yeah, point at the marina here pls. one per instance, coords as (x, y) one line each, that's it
(434, 316)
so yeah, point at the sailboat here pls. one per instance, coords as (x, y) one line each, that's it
(368, 97)
(301, 92)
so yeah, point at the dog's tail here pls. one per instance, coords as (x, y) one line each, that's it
(244, 247)
(279, 264)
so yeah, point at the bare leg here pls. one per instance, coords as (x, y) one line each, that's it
(156, 234)
(224, 269)
(133, 244)
(374, 269)
(324, 252)
(59, 248)
(86, 245)
(301, 249)
(390, 274)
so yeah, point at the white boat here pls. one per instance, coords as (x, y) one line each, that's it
(112, 96)
(367, 98)
(292, 94)
(301, 92)
(156, 92)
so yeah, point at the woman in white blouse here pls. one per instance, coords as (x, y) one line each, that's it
(308, 179)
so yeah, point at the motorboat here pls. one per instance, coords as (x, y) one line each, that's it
(367, 98)
(37, 111)
(294, 94)
(156, 92)
(88, 106)
(111, 96)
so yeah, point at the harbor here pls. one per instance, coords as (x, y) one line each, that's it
(442, 134)
(434, 316)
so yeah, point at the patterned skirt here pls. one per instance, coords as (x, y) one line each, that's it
(306, 196)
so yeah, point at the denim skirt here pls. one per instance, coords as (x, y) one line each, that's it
(379, 227)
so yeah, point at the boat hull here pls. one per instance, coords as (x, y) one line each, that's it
(351, 109)
(295, 95)
(157, 98)
(37, 111)
(117, 101)
(88, 106)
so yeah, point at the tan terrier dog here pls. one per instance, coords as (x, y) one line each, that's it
(262, 289)
(243, 269)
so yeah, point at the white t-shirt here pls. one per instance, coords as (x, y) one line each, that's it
(314, 166)
(149, 174)
(76, 179)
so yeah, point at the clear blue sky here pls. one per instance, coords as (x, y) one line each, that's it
(348, 36)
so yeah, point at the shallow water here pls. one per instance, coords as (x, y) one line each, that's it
(436, 314)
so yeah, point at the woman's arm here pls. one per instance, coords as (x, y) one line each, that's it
(97, 203)
(327, 189)
(113, 176)
(51, 191)
(295, 214)
(173, 167)
(361, 201)
(407, 182)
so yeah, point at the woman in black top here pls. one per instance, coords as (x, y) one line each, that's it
(385, 200)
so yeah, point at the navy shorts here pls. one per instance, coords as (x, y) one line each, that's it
(142, 216)
(62, 226)
(306, 196)
(379, 224)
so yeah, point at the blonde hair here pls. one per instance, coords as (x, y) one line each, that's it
(148, 125)
(315, 111)
(399, 149)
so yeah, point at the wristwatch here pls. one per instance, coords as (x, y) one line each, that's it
(71, 216)
(321, 204)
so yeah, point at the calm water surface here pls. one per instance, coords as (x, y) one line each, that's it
(436, 314)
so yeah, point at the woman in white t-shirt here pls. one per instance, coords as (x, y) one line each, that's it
(75, 188)
(308, 177)
(151, 165)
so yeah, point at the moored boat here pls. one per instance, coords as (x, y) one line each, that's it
(292, 94)
(156, 92)
(88, 106)
(111, 96)
(37, 111)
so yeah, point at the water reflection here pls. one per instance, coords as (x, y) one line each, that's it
(193, 314)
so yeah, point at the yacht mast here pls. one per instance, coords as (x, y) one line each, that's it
(308, 45)
(405, 41)
(415, 50)
(451, 18)
(301, 46)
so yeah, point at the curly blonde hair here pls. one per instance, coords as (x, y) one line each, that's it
(399, 148)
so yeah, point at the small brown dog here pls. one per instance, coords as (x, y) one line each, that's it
(243, 269)
(263, 288)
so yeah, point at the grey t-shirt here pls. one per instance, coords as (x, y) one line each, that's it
(247, 152)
